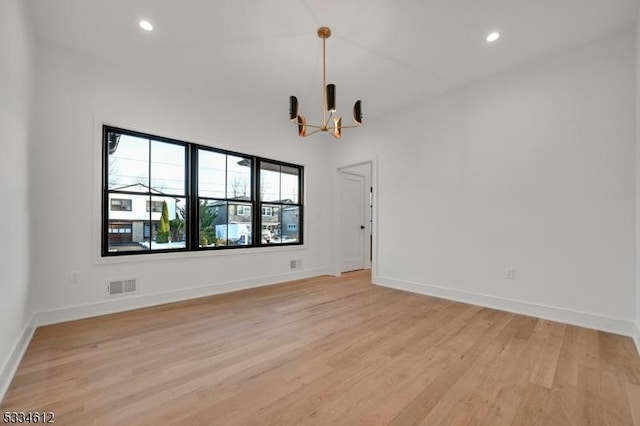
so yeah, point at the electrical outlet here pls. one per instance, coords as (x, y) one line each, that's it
(292, 264)
(510, 273)
(74, 277)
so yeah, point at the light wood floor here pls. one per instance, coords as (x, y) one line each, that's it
(326, 351)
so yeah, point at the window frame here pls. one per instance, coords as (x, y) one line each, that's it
(106, 129)
(280, 205)
(192, 199)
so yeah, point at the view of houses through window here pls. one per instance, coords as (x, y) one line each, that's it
(279, 198)
(147, 182)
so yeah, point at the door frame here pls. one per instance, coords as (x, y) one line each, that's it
(370, 168)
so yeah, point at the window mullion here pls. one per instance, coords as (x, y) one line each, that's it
(150, 199)
(257, 203)
(194, 201)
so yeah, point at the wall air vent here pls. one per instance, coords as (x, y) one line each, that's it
(120, 287)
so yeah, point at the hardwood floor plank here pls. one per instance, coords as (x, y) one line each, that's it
(614, 356)
(615, 403)
(589, 396)
(532, 407)
(633, 397)
(548, 338)
(323, 351)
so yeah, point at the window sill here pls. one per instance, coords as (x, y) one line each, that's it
(155, 257)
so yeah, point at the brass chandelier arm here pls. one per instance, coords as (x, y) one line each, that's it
(351, 126)
(308, 125)
(313, 126)
(314, 132)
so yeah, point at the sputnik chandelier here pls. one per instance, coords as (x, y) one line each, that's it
(328, 103)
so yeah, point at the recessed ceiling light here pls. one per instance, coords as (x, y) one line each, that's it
(493, 37)
(146, 25)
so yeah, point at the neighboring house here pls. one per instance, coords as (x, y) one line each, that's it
(135, 218)
(290, 223)
(288, 229)
(233, 222)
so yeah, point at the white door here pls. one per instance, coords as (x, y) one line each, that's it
(352, 226)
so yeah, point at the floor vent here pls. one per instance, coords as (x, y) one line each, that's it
(119, 287)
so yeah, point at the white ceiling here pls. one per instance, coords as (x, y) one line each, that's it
(387, 53)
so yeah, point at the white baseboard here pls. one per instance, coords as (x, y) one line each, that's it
(11, 365)
(553, 313)
(121, 304)
(636, 335)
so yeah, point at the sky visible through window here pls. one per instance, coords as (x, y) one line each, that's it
(129, 165)
(213, 181)
(278, 184)
(220, 175)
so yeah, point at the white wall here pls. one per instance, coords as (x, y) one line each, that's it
(531, 169)
(637, 327)
(75, 95)
(17, 67)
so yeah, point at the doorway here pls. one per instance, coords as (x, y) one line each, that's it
(355, 218)
(352, 224)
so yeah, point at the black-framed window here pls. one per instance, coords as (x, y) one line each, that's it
(280, 203)
(151, 172)
(171, 195)
(225, 196)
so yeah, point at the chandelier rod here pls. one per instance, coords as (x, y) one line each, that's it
(324, 84)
